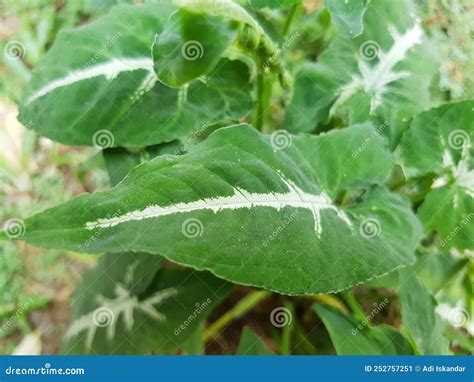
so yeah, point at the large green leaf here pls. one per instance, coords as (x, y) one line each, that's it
(127, 305)
(253, 209)
(96, 86)
(383, 74)
(440, 141)
(190, 46)
(418, 314)
(347, 15)
(351, 337)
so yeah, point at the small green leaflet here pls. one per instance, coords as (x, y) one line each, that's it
(136, 308)
(351, 337)
(440, 141)
(382, 74)
(97, 86)
(254, 209)
(419, 316)
(347, 15)
(251, 344)
(190, 46)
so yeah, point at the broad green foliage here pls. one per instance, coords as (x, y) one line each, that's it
(88, 93)
(251, 344)
(199, 197)
(351, 337)
(137, 308)
(383, 74)
(347, 15)
(190, 46)
(440, 142)
(418, 314)
(168, 91)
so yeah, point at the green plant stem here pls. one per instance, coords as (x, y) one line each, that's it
(355, 306)
(260, 89)
(285, 343)
(290, 18)
(242, 307)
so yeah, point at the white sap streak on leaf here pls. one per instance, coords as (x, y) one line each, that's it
(295, 197)
(462, 174)
(109, 70)
(124, 303)
(374, 79)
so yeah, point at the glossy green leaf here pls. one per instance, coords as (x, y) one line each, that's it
(382, 75)
(419, 316)
(190, 46)
(232, 11)
(347, 15)
(251, 344)
(351, 337)
(97, 87)
(126, 305)
(253, 209)
(440, 141)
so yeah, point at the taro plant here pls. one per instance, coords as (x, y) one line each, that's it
(241, 151)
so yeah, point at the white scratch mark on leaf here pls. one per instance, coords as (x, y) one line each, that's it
(374, 79)
(124, 303)
(109, 70)
(294, 197)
